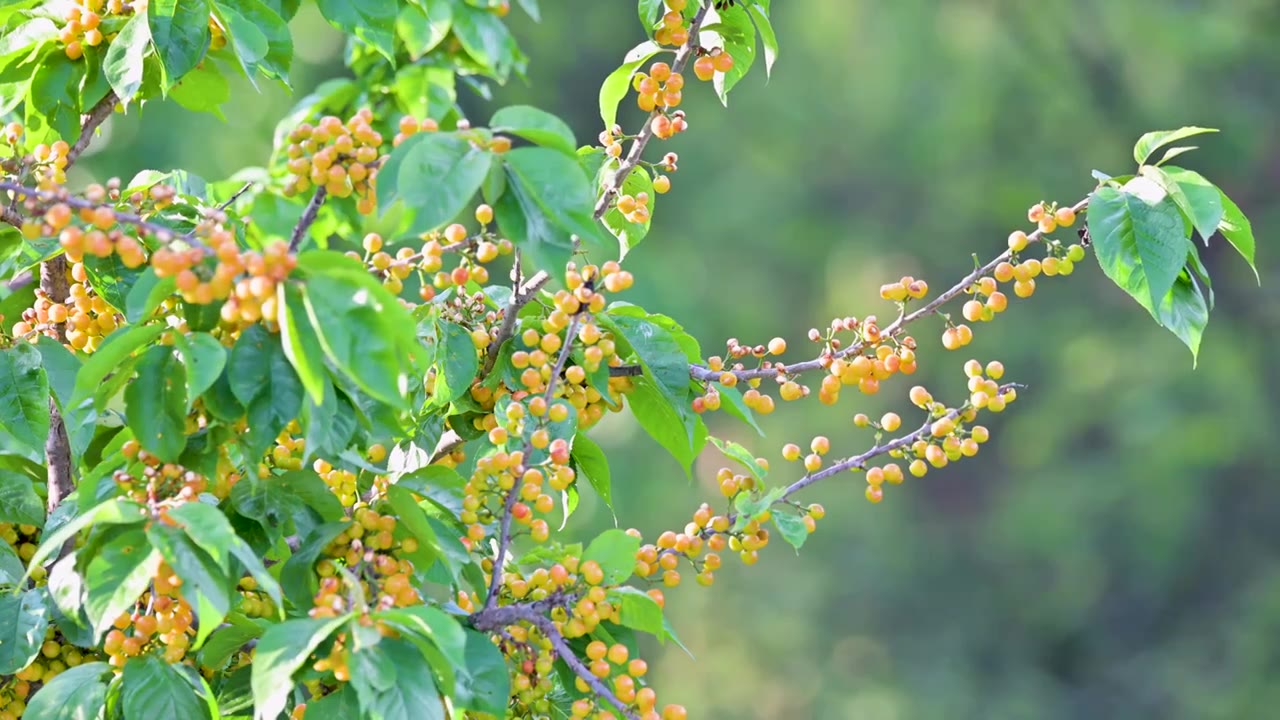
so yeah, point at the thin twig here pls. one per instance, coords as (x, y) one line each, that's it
(519, 298)
(89, 124)
(308, 217)
(683, 55)
(10, 216)
(493, 619)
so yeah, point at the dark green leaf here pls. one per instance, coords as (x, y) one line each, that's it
(615, 551)
(300, 341)
(593, 464)
(459, 363)
(535, 125)
(23, 621)
(24, 402)
(436, 174)
(205, 358)
(258, 36)
(483, 683)
(1141, 246)
(110, 356)
(204, 583)
(117, 574)
(210, 530)
(1153, 141)
(112, 279)
(373, 21)
(486, 39)
(665, 423)
(156, 403)
(281, 651)
(146, 294)
(400, 686)
(227, 640)
(152, 688)
(123, 64)
(1184, 312)
(78, 693)
(558, 186)
(262, 378)
(298, 577)
(19, 503)
(180, 33)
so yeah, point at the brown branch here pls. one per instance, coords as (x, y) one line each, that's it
(10, 217)
(642, 139)
(89, 124)
(519, 298)
(308, 217)
(162, 233)
(495, 619)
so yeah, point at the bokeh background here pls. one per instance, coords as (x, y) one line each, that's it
(1114, 552)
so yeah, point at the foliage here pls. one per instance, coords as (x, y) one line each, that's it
(286, 471)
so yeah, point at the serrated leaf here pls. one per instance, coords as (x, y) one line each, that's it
(1153, 141)
(1142, 247)
(791, 528)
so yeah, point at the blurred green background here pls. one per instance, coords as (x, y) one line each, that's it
(1114, 551)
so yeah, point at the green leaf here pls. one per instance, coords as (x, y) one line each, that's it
(363, 328)
(630, 234)
(301, 343)
(258, 36)
(180, 33)
(410, 691)
(767, 37)
(204, 583)
(436, 174)
(414, 520)
(1238, 231)
(23, 622)
(423, 27)
(792, 528)
(1174, 152)
(210, 530)
(340, 705)
(618, 84)
(228, 639)
(152, 688)
(1153, 141)
(123, 63)
(19, 503)
(1199, 200)
(263, 379)
(111, 278)
(11, 568)
(649, 11)
(436, 626)
(24, 402)
(1184, 312)
(204, 89)
(281, 651)
(732, 403)
(637, 610)
(615, 551)
(117, 574)
(373, 21)
(486, 39)
(78, 693)
(736, 452)
(750, 506)
(739, 37)
(665, 423)
(1142, 247)
(593, 464)
(536, 126)
(459, 363)
(156, 403)
(146, 294)
(110, 356)
(205, 358)
(484, 684)
(111, 512)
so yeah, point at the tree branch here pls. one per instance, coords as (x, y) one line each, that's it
(308, 217)
(683, 55)
(162, 233)
(89, 123)
(495, 619)
(519, 298)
